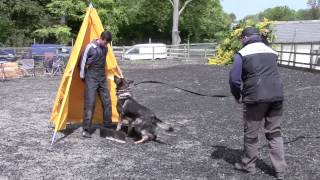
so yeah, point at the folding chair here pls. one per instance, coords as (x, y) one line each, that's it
(47, 63)
(57, 66)
(3, 73)
(28, 67)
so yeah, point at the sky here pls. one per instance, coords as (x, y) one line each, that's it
(242, 8)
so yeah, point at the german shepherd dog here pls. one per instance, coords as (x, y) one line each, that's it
(137, 117)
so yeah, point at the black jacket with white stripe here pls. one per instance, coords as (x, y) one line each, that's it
(261, 80)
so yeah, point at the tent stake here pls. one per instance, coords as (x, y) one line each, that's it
(53, 137)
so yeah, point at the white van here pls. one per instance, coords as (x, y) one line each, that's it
(146, 51)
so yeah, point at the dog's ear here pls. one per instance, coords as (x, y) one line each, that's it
(117, 80)
(129, 81)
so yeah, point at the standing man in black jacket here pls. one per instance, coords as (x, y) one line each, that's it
(92, 72)
(255, 77)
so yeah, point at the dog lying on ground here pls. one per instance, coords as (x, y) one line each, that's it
(137, 117)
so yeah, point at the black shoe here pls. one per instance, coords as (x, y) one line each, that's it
(280, 175)
(86, 134)
(109, 126)
(241, 167)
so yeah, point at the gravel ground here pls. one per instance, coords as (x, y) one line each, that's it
(207, 140)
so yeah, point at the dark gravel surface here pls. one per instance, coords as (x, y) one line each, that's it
(207, 140)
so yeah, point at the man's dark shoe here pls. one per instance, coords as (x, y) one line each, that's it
(280, 175)
(86, 134)
(241, 167)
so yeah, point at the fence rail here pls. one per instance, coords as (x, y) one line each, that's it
(187, 52)
(192, 51)
(43, 64)
(301, 55)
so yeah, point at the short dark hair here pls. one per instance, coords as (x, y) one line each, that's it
(106, 35)
(249, 31)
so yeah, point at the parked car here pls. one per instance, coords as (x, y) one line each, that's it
(7, 55)
(146, 51)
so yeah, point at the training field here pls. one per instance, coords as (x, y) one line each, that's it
(207, 140)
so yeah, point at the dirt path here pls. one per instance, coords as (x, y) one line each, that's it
(206, 142)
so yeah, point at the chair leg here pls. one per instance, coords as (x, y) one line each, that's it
(3, 72)
(34, 71)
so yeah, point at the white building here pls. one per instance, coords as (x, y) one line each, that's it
(298, 43)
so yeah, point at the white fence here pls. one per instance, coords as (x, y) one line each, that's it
(185, 52)
(197, 51)
(301, 55)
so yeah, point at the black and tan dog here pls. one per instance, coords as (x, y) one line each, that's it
(137, 117)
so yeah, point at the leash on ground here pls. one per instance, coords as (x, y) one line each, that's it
(186, 90)
(216, 95)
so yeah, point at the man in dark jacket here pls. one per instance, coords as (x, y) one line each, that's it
(92, 72)
(255, 78)
(264, 35)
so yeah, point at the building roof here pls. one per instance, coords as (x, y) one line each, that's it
(297, 31)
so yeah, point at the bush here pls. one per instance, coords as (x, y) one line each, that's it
(232, 44)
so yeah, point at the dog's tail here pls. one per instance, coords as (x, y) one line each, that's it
(164, 126)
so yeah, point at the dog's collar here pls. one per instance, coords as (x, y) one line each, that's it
(124, 95)
(125, 103)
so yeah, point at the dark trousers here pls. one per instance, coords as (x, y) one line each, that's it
(94, 86)
(266, 116)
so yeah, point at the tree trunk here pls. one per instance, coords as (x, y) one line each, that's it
(63, 19)
(175, 23)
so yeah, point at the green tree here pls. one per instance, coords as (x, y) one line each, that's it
(314, 11)
(308, 14)
(64, 14)
(232, 44)
(177, 8)
(280, 13)
(70, 13)
(233, 17)
(201, 21)
(130, 21)
(112, 15)
(65, 10)
(61, 33)
(6, 28)
(145, 19)
(19, 18)
(284, 13)
(313, 3)
(205, 21)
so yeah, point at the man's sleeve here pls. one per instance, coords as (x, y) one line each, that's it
(235, 76)
(84, 61)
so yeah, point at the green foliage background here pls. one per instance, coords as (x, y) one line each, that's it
(130, 21)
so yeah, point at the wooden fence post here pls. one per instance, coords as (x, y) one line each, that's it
(311, 55)
(188, 50)
(185, 52)
(123, 51)
(294, 54)
(281, 53)
(152, 52)
(205, 53)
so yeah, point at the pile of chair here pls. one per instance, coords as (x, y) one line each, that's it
(10, 70)
(50, 65)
